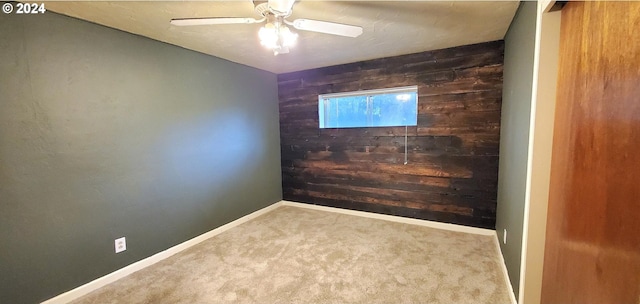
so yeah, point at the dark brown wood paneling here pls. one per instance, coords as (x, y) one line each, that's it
(592, 252)
(452, 169)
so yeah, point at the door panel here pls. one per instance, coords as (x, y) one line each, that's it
(592, 252)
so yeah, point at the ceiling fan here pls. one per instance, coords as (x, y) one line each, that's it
(275, 35)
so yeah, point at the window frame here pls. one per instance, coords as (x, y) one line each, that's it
(368, 94)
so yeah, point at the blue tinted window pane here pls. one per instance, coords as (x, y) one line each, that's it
(345, 112)
(397, 109)
(377, 109)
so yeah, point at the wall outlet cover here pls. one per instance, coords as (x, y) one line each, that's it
(121, 244)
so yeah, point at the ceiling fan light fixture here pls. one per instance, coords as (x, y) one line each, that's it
(288, 37)
(268, 36)
(277, 37)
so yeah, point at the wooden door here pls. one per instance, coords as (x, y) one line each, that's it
(592, 252)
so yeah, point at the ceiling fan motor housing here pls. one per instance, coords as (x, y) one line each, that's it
(261, 8)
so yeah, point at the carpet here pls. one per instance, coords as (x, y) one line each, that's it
(299, 255)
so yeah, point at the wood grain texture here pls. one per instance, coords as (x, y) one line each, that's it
(451, 175)
(592, 252)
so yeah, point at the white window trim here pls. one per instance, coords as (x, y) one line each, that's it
(409, 89)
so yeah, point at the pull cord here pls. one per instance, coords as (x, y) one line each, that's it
(406, 131)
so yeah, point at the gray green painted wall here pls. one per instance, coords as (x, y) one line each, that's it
(106, 134)
(514, 135)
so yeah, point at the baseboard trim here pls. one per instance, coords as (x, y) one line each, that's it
(397, 219)
(505, 272)
(129, 269)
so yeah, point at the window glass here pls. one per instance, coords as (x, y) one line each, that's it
(397, 109)
(375, 108)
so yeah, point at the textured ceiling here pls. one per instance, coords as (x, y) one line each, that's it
(390, 28)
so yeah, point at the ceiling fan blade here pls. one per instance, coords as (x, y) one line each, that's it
(327, 27)
(281, 6)
(209, 21)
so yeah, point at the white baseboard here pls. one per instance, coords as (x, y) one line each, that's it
(504, 269)
(127, 270)
(397, 219)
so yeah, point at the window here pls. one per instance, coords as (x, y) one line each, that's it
(374, 108)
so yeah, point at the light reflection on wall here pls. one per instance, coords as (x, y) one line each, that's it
(210, 154)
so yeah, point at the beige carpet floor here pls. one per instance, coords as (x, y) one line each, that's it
(298, 255)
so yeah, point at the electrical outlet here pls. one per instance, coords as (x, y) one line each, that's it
(504, 237)
(121, 244)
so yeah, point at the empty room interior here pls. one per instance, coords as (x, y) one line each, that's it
(299, 151)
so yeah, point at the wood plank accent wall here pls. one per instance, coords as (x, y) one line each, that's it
(452, 169)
